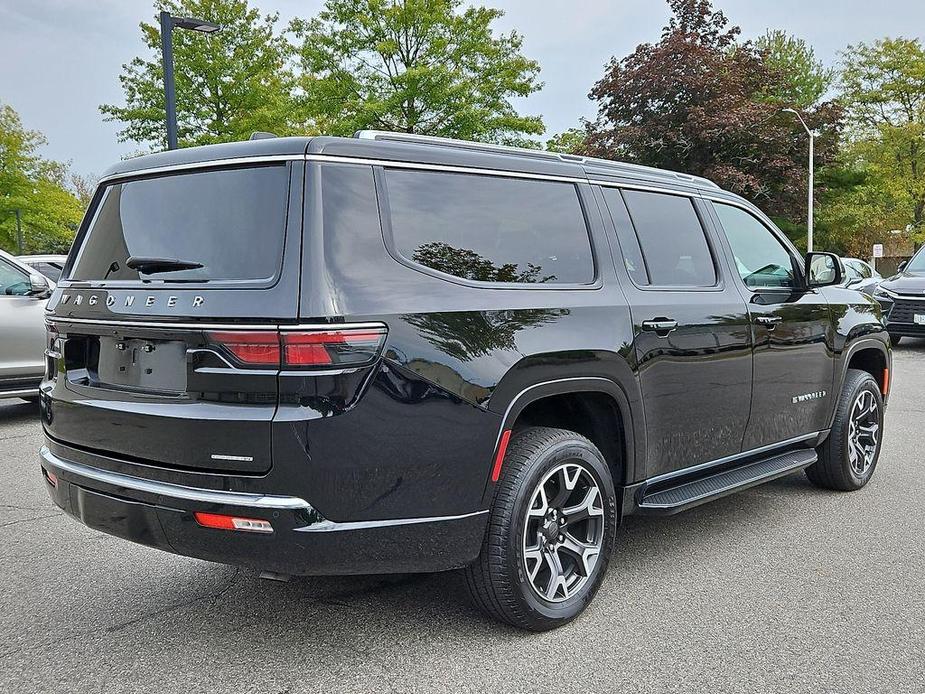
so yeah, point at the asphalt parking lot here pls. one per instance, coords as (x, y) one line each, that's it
(782, 588)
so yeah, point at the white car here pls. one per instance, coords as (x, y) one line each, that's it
(23, 295)
(49, 265)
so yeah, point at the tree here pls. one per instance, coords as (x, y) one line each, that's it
(228, 84)
(883, 89)
(801, 80)
(33, 185)
(416, 66)
(698, 101)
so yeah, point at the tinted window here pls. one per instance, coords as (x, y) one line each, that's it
(232, 222)
(489, 228)
(863, 269)
(51, 271)
(853, 271)
(761, 259)
(629, 244)
(672, 239)
(13, 281)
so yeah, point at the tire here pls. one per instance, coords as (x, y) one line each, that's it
(844, 466)
(500, 580)
(33, 399)
(894, 339)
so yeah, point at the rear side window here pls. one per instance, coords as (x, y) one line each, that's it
(672, 239)
(490, 228)
(231, 222)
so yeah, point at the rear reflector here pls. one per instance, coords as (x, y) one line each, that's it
(50, 477)
(336, 347)
(499, 457)
(223, 522)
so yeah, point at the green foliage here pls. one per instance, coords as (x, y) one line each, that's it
(35, 186)
(883, 89)
(229, 84)
(416, 66)
(800, 79)
(571, 141)
(698, 102)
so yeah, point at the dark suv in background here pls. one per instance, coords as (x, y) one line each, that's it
(902, 297)
(393, 354)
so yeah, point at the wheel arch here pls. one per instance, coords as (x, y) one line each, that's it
(622, 456)
(871, 355)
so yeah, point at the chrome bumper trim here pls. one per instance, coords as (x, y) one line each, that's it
(327, 526)
(174, 491)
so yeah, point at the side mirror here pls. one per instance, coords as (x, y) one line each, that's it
(39, 287)
(902, 265)
(823, 269)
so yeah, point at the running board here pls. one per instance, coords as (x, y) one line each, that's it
(699, 491)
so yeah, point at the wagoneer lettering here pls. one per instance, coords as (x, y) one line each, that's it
(391, 353)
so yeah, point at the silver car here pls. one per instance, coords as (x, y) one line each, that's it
(49, 265)
(23, 294)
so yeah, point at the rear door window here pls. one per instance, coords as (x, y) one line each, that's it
(490, 228)
(673, 242)
(226, 224)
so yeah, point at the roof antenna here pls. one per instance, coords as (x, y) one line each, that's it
(260, 135)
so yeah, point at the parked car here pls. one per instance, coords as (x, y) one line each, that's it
(399, 354)
(860, 275)
(49, 265)
(23, 295)
(902, 298)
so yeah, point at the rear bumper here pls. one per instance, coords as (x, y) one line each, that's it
(160, 514)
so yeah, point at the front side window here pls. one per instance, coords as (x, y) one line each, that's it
(672, 239)
(224, 224)
(13, 281)
(490, 228)
(760, 257)
(917, 263)
(853, 271)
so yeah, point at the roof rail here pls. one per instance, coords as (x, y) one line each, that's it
(615, 167)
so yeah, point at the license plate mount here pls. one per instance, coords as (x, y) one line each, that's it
(137, 363)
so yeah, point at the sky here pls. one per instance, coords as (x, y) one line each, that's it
(61, 59)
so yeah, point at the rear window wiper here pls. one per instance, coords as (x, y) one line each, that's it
(149, 266)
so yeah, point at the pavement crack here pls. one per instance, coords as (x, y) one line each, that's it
(28, 520)
(176, 606)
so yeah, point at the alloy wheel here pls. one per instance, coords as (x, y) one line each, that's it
(564, 532)
(863, 432)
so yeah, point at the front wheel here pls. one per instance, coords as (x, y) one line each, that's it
(894, 339)
(849, 455)
(550, 532)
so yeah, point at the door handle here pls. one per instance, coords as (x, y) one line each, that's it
(769, 321)
(660, 326)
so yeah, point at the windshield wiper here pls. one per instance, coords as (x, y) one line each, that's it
(150, 266)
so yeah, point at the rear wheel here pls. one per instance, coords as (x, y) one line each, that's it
(849, 455)
(550, 532)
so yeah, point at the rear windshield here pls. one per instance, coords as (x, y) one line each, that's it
(231, 222)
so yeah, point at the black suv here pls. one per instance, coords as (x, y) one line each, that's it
(399, 354)
(903, 299)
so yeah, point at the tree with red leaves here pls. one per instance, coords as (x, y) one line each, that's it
(703, 102)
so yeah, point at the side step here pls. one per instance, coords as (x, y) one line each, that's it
(701, 490)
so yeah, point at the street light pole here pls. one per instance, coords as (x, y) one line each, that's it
(168, 22)
(809, 212)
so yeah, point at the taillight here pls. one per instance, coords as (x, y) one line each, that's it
(251, 348)
(347, 346)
